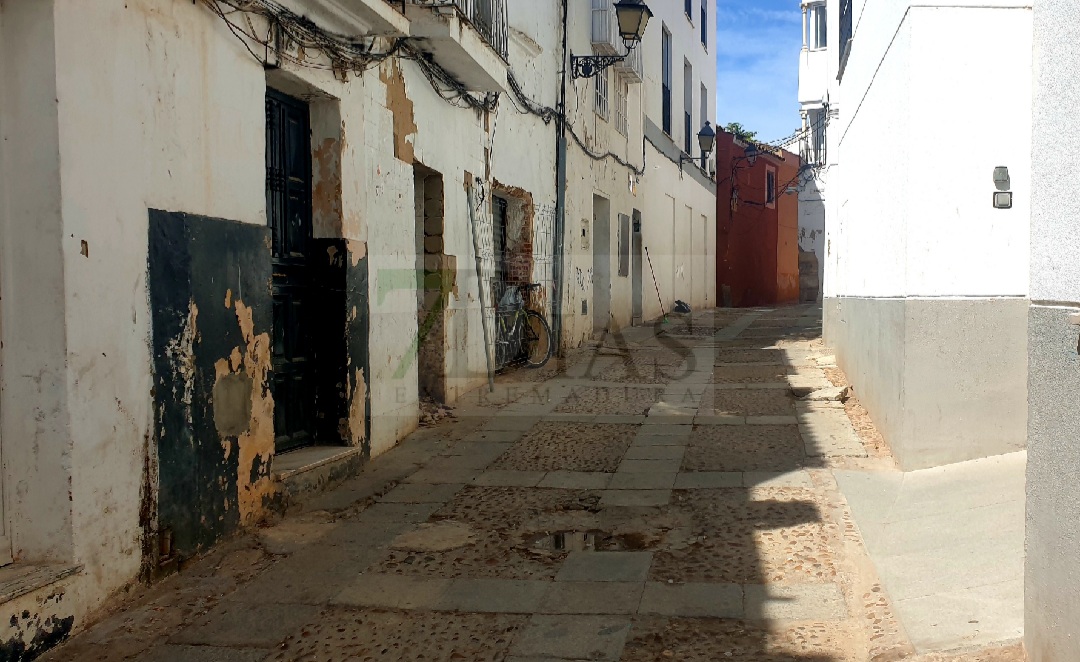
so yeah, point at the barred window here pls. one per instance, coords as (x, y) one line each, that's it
(600, 102)
(622, 94)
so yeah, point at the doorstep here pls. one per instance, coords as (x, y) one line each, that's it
(18, 579)
(309, 471)
(297, 462)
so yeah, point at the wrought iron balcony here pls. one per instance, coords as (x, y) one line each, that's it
(487, 17)
(632, 69)
(605, 29)
(467, 38)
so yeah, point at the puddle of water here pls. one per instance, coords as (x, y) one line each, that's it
(587, 541)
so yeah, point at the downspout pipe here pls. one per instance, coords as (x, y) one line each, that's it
(560, 192)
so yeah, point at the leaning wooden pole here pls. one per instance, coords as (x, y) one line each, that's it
(474, 210)
(655, 284)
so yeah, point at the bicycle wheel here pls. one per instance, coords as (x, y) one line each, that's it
(536, 340)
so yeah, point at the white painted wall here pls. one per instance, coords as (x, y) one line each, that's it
(819, 88)
(1052, 624)
(925, 123)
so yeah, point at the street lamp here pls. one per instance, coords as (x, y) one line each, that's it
(750, 154)
(633, 17)
(706, 139)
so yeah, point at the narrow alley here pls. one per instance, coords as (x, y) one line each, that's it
(679, 491)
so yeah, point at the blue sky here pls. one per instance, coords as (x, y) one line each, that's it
(757, 61)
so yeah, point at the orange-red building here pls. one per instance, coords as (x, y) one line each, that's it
(757, 233)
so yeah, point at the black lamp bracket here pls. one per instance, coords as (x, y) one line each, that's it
(588, 66)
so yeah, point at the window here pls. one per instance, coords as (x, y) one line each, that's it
(845, 35)
(600, 99)
(624, 245)
(816, 25)
(705, 117)
(770, 187)
(689, 8)
(666, 84)
(816, 121)
(622, 94)
(705, 24)
(689, 134)
(499, 207)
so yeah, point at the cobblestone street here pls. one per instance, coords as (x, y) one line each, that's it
(665, 495)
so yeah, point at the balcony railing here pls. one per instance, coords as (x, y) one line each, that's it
(632, 68)
(488, 17)
(605, 28)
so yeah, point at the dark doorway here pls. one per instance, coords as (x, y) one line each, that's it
(288, 208)
(499, 208)
(434, 285)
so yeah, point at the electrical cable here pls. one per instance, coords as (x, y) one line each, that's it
(291, 37)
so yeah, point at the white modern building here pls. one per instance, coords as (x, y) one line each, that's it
(927, 278)
(241, 240)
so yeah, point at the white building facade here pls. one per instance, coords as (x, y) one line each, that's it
(241, 241)
(819, 105)
(1052, 624)
(926, 281)
(638, 219)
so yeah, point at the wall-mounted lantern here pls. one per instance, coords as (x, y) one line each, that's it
(706, 141)
(633, 17)
(750, 154)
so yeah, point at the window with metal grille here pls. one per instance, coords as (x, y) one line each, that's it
(666, 84)
(770, 187)
(622, 94)
(600, 98)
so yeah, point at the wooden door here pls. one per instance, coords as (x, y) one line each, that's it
(288, 208)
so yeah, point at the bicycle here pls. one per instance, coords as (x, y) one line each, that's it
(523, 335)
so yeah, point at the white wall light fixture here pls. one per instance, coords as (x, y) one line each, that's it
(1003, 197)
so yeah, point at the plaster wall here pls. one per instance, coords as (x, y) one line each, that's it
(1053, 508)
(920, 232)
(930, 230)
(168, 113)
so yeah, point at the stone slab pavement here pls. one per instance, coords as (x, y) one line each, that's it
(664, 494)
(948, 544)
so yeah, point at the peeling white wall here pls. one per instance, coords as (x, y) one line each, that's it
(171, 116)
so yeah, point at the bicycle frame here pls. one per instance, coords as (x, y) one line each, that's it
(511, 318)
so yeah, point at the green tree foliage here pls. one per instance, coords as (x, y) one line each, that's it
(741, 132)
